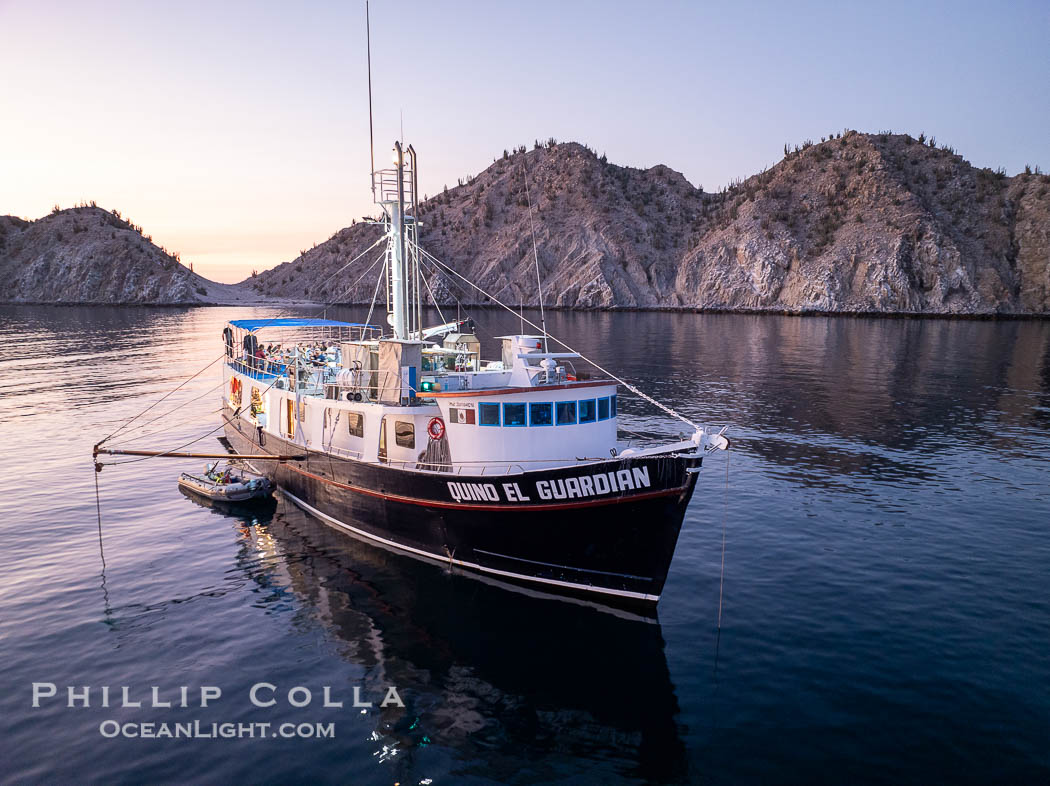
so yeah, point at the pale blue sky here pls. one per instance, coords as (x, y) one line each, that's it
(237, 133)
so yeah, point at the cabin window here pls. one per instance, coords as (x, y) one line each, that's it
(302, 412)
(405, 433)
(603, 409)
(488, 414)
(355, 424)
(587, 410)
(612, 406)
(513, 414)
(382, 440)
(566, 413)
(541, 414)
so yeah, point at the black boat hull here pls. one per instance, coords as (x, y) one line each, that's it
(606, 531)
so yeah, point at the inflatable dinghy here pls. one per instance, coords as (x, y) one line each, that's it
(232, 484)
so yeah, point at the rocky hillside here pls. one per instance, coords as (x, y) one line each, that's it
(90, 255)
(864, 223)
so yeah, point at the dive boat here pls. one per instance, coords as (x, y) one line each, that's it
(406, 437)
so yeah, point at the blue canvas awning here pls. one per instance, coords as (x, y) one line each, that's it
(255, 324)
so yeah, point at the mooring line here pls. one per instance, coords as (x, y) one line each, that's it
(722, 572)
(98, 509)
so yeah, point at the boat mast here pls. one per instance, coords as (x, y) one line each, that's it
(399, 261)
(371, 136)
(396, 193)
(395, 190)
(417, 301)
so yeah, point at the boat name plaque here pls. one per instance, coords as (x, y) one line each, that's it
(578, 487)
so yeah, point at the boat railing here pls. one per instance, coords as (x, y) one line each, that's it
(354, 454)
(457, 468)
(250, 370)
(492, 468)
(311, 382)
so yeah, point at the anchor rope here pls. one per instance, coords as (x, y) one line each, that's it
(98, 508)
(722, 571)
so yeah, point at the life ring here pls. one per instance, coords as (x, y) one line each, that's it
(436, 429)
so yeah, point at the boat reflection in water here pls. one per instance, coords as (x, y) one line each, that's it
(481, 668)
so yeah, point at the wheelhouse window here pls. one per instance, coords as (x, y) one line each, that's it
(603, 409)
(355, 424)
(405, 433)
(541, 414)
(612, 406)
(588, 411)
(566, 413)
(488, 414)
(513, 414)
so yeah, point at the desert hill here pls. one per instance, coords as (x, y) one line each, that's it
(93, 256)
(855, 223)
(863, 223)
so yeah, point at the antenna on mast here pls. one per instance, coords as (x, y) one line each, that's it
(535, 253)
(371, 138)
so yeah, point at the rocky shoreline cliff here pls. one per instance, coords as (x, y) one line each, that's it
(856, 223)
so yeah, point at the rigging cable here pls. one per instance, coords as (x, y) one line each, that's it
(436, 272)
(162, 398)
(166, 452)
(267, 388)
(436, 306)
(625, 383)
(130, 436)
(375, 295)
(128, 441)
(182, 384)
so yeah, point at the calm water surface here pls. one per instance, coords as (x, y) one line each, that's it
(886, 614)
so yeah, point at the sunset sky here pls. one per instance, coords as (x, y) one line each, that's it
(237, 133)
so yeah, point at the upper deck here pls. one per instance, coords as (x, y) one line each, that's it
(346, 360)
(369, 398)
